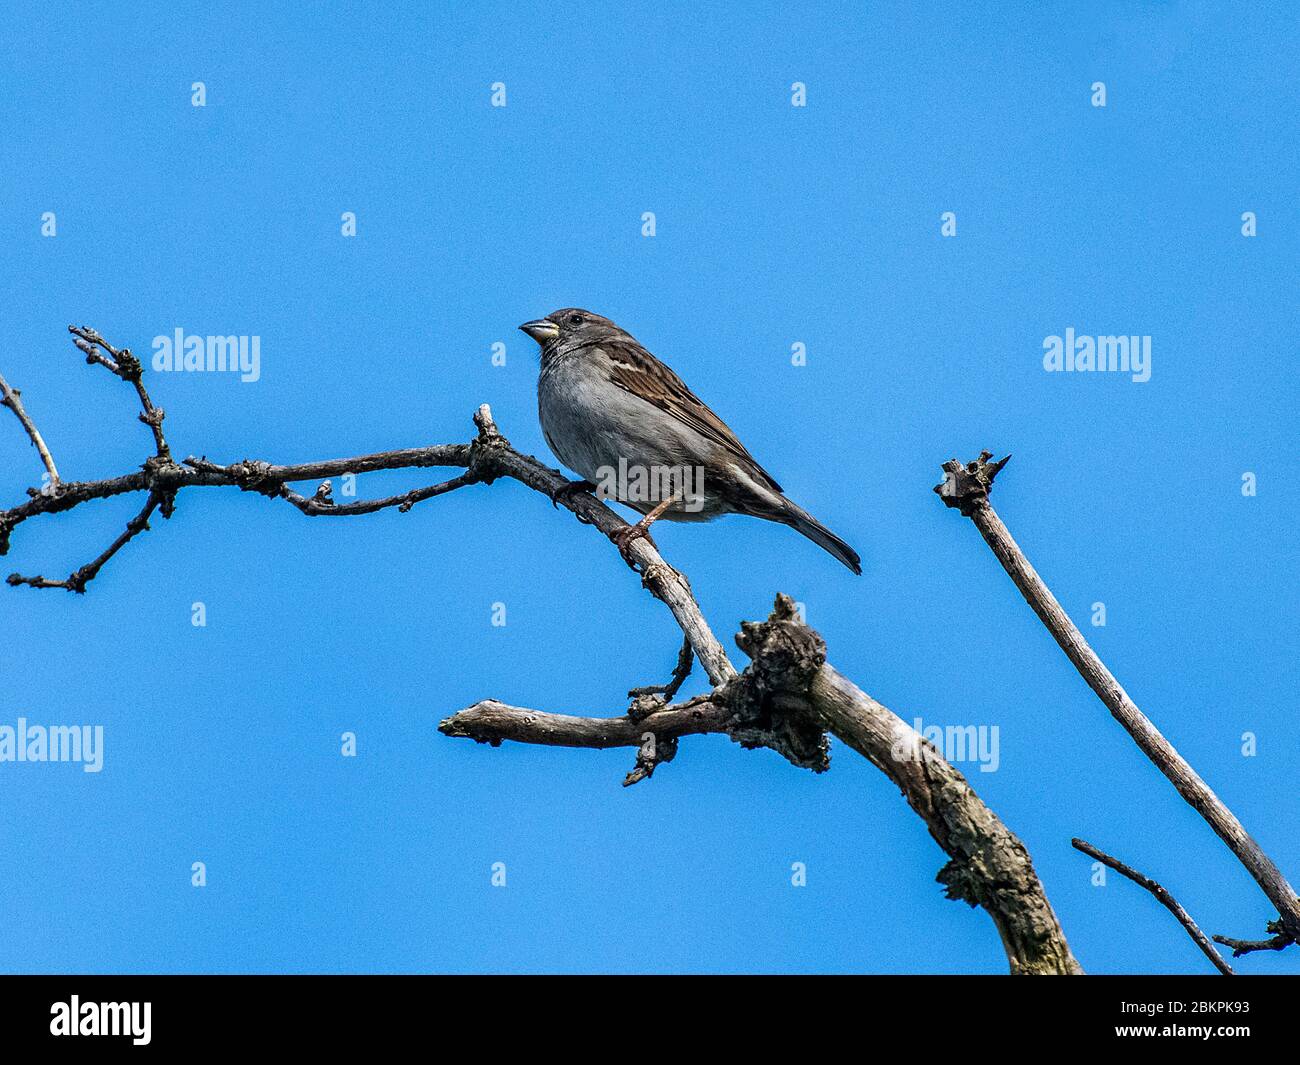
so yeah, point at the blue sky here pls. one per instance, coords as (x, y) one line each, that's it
(774, 225)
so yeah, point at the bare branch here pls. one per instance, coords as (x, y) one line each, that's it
(685, 659)
(1250, 946)
(264, 477)
(323, 504)
(485, 459)
(78, 579)
(126, 366)
(989, 866)
(784, 700)
(1163, 897)
(492, 722)
(11, 398)
(967, 489)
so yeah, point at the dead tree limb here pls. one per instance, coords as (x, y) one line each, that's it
(12, 398)
(1249, 946)
(1163, 897)
(121, 363)
(486, 458)
(966, 488)
(785, 700)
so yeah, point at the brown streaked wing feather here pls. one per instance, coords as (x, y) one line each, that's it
(636, 371)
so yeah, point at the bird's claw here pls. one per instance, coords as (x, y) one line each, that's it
(624, 537)
(565, 492)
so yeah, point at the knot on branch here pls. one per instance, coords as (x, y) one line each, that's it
(984, 871)
(785, 652)
(153, 417)
(130, 369)
(1278, 928)
(78, 579)
(163, 478)
(656, 577)
(967, 486)
(252, 475)
(654, 751)
(769, 698)
(644, 703)
(486, 449)
(962, 883)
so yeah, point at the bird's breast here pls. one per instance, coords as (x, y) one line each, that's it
(609, 436)
(575, 417)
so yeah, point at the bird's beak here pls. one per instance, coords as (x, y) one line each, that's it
(543, 330)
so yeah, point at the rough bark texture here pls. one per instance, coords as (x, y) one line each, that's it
(989, 866)
(786, 700)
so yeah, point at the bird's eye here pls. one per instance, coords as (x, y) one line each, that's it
(575, 319)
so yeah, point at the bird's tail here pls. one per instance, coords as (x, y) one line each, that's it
(799, 519)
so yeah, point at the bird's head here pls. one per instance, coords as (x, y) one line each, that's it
(570, 328)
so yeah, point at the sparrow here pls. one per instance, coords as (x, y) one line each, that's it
(631, 428)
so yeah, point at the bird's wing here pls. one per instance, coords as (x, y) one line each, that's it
(635, 370)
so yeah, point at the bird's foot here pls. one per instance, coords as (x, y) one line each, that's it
(569, 490)
(566, 492)
(641, 530)
(623, 538)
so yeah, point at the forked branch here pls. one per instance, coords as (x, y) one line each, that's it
(487, 457)
(786, 700)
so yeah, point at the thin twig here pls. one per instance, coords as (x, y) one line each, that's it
(12, 398)
(1163, 897)
(78, 579)
(685, 659)
(322, 503)
(653, 752)
(1250, 946)
(126, 366)
(966, 487)
(656, 750)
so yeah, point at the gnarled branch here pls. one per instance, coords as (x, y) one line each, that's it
(784, 700)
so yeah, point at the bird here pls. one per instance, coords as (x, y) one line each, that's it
(635, 432)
